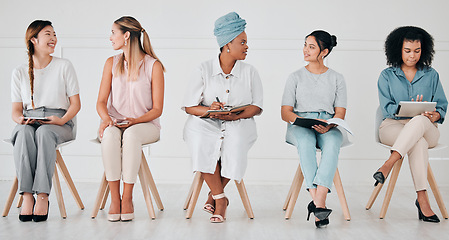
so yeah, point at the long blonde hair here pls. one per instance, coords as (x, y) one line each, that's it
(131, 25)
(32, 31)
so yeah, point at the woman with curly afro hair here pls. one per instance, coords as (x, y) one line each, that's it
(410, 77)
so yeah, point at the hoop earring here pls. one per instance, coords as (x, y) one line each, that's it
(126, 42)
(227, 50)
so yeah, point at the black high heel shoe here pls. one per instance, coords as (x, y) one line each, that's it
(322, 223)
(41, 218)
(379, 177)
(27, 218)
(434, 218)
(320, 213)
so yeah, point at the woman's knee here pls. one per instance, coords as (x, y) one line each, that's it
(419, 119)
(25, 131)
(111, 133)
(131, 135)
(45, 133)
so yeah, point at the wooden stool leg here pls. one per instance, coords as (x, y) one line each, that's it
(189, 195)
(105, 197)
(20, 201)
(58, 192)
(341, 195)
(198, 184)
(294, 195)
(373, 197)
(11, 196)
(152, 185)
(295, 180)
(100, 196)
(146, 192)
(436, 192)
(244, 196)
(391, 184)
(68, 179)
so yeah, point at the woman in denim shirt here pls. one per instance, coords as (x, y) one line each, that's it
(409, 52)
(315, 91)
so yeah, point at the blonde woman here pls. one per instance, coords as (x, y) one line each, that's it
(47, 89)
(130, 102)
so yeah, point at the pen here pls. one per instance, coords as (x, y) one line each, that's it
(218, 100)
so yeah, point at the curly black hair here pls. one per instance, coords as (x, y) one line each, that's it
(395, 41)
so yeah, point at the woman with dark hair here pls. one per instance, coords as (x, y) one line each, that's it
(410, 77)
(46, 89)
(219, 144)
(130, 102)
(318, 92)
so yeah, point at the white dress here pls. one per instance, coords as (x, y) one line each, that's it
(210, 139)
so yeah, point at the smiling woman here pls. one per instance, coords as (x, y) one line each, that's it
(130, 102)
(46, 87)
(316, 91)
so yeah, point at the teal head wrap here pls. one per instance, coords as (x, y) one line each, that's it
(228, 27)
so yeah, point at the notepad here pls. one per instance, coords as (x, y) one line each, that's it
(226, 110)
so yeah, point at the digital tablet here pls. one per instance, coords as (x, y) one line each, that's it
(411, 108)
(37, 118)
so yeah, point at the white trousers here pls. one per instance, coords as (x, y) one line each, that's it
(122, 150)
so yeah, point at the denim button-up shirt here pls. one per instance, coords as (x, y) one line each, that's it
(394, 87)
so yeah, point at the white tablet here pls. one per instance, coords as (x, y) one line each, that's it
(412, 108)
(37, 118)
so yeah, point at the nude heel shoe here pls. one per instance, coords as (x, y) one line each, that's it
(114, 217)
(220, 217)
(125, 217)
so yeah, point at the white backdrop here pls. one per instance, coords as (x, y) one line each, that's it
(182, 36)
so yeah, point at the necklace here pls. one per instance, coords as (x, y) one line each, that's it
(319, 74)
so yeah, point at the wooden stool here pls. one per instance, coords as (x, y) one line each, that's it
(292, 195)
(393, 178)
(195, 190)
(57, 187)
(395, 173)
(147, 184)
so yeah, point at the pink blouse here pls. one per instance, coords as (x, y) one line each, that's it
(131, 99)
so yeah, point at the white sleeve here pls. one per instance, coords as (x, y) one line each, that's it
(16, 95)
(194, 91)
(71, 81)
(257, 90)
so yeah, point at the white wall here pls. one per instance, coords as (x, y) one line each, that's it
(182, 36)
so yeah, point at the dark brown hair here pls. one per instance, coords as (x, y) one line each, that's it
(32, 31)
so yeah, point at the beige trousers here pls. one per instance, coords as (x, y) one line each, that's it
(413, 137)
(122, 150)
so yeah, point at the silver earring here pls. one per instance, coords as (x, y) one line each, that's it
(227, 50)
(126, 42)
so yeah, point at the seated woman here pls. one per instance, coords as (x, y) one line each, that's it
(318, 92)
(410, 77)
(47, 89)
(219, 144)
(130, 102)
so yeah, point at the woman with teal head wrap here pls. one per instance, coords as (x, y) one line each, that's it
(219, 143)
(228, 27)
